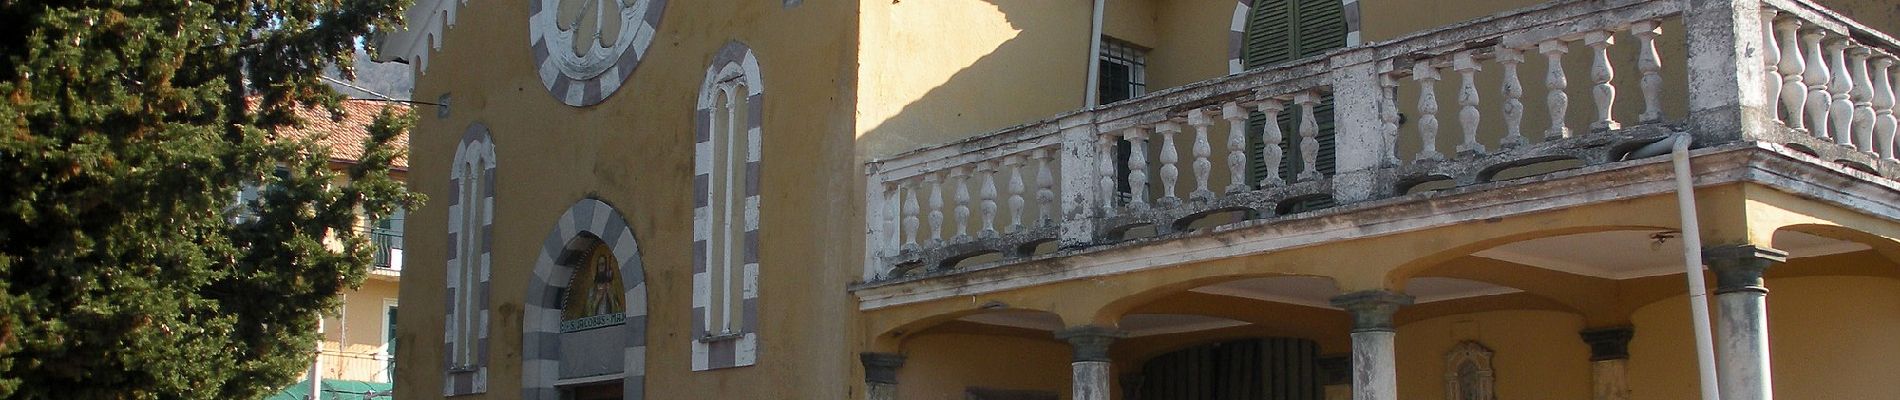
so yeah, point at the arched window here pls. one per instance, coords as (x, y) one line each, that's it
(1277, 32)
(471, 217)
(726, 212)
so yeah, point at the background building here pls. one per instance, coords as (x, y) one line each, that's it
(356, 359)
(1189, 199)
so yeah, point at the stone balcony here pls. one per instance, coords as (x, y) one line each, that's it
(1048, 193)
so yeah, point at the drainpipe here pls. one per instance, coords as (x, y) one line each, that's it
(1091, 98)
(1692, 265)
(316, 365)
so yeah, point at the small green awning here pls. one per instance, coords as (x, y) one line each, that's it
(336, 389)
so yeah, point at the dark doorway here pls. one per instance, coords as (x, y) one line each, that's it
(1246, 369)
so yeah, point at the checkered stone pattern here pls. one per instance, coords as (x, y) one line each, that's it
(469, 376)
(1237, 32)
(585, 80)
(573, 235)
(740, 348)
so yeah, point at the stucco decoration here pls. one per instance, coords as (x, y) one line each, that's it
(734, 71)
(1237, 31)
(585, 225)
(471, 205)
(1468, 374)
(584, 50)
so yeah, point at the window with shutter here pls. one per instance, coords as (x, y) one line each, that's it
(1124, 75)
(1279, 31)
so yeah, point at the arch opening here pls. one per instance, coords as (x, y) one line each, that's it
(584, 323)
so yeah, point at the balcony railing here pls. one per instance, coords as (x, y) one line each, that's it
(386, 249)
(1010, 193)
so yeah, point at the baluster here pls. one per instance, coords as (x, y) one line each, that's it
(1236, 146)
(1840, 111)
(1170, 174)
(1885, 124)
(1270, 137)
(1557, 101)
(1513, 98)
(894, 221)
(1045, 187)
(1016, 187)
(1816, 78)
(1649, 64)
(988, 192)
(1137, 168)
(1794, 92)
(1467, 69)
(1771, 62)
(910, 215)
(1105, 166)
(933, 181)
(1863, 125)
(1427, 77)
(960, 177)
(1389, 117)
(1309, 135)
(1600, 70)
(1198, 119)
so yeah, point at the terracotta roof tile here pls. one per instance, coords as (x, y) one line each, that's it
(344, 134)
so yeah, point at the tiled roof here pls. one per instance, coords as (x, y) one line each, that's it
(344, 134)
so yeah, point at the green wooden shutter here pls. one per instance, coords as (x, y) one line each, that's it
(1279, 31)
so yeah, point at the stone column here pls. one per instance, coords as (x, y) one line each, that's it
(1609, 362)
(1374, 362)
(1741, 324)
(1089, 366)
(880, 375)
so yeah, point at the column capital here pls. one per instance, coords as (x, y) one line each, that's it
(1090, 342)
(881, 367)
(1609, 343)
(1738, 268)
(1372, 309)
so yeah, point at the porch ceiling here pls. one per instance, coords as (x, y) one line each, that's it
(1638, 253)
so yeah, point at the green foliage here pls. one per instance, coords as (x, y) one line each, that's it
(124, 136)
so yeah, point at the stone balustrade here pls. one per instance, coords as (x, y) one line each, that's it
(1831, 81)
(1098, 177)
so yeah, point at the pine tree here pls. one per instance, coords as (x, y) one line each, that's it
(126, 129)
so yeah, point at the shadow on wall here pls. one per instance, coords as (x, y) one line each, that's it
(943, 70)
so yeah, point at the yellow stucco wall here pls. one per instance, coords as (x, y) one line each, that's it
(633, 151)
(353, 337)
(1829, 336)
(943, 366)
(1535, 354)
(935, 71)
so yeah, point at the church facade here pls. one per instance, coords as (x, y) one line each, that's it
(1151, 199)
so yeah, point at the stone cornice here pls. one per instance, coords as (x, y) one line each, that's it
(421, 33)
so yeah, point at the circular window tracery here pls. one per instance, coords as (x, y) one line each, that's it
(584, 50)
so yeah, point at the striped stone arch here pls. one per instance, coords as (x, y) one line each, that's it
(585, 223)
(1237, 32)
(466, 375)
(734, 63)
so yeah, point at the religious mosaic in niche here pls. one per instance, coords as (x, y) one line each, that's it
(595, 296)
(586, 49)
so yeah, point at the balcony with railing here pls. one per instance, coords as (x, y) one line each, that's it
(1794, 75)
(385, 251)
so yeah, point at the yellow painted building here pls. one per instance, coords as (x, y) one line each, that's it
(1151, 199)
(356, 355)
